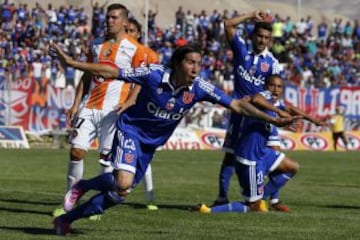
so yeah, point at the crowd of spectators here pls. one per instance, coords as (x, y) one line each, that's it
(312, 55)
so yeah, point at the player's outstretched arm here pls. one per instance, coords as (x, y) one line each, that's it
(297, 111)
(231, 24)
(259, 101)
(101, 70)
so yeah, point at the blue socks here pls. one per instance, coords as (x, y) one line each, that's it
(104, 182)
(226, 172)
(276, 181)
(96, 205)
(230, 207)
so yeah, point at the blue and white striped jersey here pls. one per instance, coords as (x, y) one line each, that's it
(160, 105)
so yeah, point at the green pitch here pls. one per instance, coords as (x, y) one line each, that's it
(324, 199)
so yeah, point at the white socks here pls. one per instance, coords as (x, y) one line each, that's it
(75, 172)
(148, 185)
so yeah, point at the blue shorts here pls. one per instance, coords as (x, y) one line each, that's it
(251, 173)
(129, 154)
(232, 133)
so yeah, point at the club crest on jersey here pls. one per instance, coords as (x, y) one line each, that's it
(159, 90)
(187, 97)
(107, 52)
(264, 67)
(129, 157)
(170, 104)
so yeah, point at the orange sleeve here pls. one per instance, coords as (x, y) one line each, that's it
(139, 57)
(151, 56)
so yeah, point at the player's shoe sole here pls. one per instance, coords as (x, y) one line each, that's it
(152, 207)
(58, 211)
(96, 217)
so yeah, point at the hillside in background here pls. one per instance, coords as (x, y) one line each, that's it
(347, 9)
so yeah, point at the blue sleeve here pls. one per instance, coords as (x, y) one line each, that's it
(136, 75)
(210, 93)
(238, 46)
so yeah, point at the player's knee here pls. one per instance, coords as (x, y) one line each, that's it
(295, 166)
(77, 154)
(124, 181)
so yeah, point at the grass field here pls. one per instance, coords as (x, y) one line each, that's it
(324, 198)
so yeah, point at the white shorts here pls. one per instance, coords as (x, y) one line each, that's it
(92, 123)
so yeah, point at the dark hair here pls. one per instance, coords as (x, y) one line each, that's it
(180, 52)
(118, 6)
(137, 25)
(262, 25)
(271, 77)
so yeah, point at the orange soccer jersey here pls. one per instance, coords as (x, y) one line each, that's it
(106, 93)
(151, 56)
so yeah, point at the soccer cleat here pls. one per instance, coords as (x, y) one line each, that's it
(259, 206)
(61, 228)
(58, 211)
(279, 207)
(218, 202)
(96, 217)
(201, 208)
(152, 207)
(105, 163)
(72, 197)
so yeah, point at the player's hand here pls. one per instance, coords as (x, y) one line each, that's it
(257, 16)
(121, 107)
(286, 121)
(71, 114)
(60, 54)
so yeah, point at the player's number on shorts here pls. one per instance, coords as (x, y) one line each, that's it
(79, 122)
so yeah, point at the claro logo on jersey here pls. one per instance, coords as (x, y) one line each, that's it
(314, 142)
(161, 113)
(243, 73)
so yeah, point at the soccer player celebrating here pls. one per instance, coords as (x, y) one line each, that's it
(251, 67)
(97, 116)
(166, 95)
(254, 160)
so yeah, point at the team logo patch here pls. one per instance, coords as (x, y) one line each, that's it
(107, 52)
(170, 104)
(129, 157)
(187, 97)
(264, 67)
(159, 90)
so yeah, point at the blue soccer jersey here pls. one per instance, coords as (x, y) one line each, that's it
(160, 105)
(254, 159)
(250, 71)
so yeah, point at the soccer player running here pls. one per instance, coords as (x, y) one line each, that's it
(97, 97)
(167, 94)
(251, 67)
(133, 28)
(254, 160)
